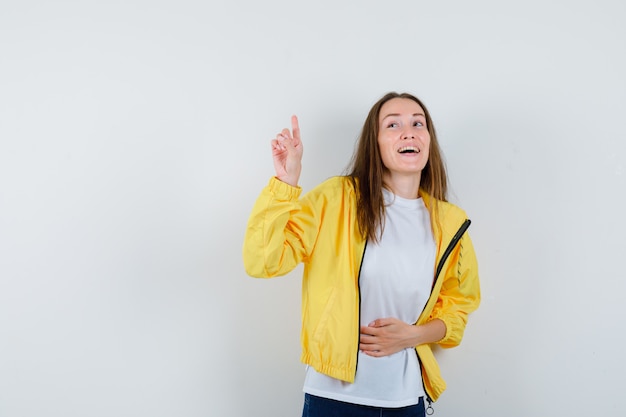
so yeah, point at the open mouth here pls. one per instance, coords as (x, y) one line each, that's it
(408, 149)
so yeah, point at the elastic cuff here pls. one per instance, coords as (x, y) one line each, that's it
(284, 191)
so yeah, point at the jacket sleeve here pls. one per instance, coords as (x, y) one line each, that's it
(459, 295)
(281, 231)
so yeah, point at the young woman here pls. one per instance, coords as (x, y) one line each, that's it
(389, 268)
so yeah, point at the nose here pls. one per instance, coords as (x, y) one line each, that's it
(408, 135)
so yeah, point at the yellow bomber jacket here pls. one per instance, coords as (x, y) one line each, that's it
(320, 230)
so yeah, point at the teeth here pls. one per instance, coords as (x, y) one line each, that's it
(408, 149)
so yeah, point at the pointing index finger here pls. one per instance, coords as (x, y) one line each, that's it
(295, 127)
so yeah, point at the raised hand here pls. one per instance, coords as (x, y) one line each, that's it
(287, 153)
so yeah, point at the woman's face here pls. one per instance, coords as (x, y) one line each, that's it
(403, 137)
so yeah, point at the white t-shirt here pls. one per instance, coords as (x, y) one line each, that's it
(396, 279)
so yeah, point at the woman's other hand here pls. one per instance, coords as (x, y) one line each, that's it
(384, 337)
(287, 154)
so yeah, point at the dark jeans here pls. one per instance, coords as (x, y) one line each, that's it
(323, 407)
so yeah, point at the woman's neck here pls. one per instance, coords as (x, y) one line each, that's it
(405, 186)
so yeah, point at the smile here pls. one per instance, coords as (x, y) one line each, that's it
(409, 149)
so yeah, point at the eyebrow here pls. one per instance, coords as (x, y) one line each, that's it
(398, 114)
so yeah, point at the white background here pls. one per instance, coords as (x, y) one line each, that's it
(134, 139)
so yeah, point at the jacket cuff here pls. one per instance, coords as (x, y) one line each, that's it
(284, 191)
(455, 327)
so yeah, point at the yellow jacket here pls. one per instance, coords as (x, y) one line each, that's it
(320, 230)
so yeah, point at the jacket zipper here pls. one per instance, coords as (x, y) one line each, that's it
(457, 237)
(358, 285)
(459, 234)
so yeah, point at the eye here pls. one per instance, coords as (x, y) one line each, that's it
(392, 124)
(418, 124)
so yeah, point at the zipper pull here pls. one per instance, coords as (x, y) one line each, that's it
(430, 410)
